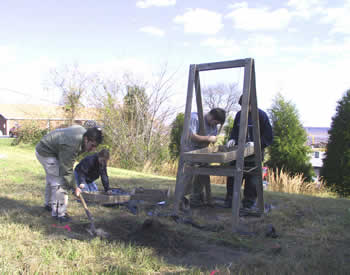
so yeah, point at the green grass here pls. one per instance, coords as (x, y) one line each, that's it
(313, 232)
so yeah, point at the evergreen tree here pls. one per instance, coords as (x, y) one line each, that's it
(288, 150)
(175, 135)
(336, 165)
(136, 103)
(136, 107)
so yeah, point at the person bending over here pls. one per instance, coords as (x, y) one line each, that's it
(57, 152)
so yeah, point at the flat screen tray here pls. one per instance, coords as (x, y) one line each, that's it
(216, 154)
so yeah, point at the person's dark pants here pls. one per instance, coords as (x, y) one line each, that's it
(249, 193)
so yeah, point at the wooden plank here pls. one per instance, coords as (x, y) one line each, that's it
(222, 65)
(215, 154)
(216, 170)
(236, 200)
(104, 198)
(257, 141)
(199, 104)
(180, 186)
(227, 171)
(185, 132)
(202, 131)
(150, 195)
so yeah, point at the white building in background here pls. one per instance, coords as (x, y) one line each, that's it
(317, 139)
(317, 161)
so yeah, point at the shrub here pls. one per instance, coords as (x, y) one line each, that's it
(30, 132)
(175, 135)
(288, 150)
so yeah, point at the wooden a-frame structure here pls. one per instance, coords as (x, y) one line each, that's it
(249, 98)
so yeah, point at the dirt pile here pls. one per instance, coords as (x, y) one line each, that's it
(152, 233)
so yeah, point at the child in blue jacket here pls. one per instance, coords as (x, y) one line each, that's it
(90, 169)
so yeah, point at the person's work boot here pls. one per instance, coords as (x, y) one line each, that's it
(195, 204)
(64, 219)
(184, 204)
(248, 203)
(48, 208)
(228, 202)
(195, 201)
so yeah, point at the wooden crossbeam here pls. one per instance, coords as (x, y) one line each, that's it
(222, 65)
(249, 104)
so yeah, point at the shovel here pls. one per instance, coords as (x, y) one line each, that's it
(92, 229)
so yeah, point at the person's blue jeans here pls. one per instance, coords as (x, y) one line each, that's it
(89, 186)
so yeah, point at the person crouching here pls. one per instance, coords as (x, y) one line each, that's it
(90, 169)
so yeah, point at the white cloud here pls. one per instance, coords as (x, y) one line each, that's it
(152, 30)
(292, 30)
(26, 78)
(256, 46)
(339, 18)
(261, 46)
(306, 8)
(157, 3)
(318, 49)
(200, 21)
(118, 67)
(225, 47)
(7, 55)
(332, 49)
(254, 19)
(312, 87)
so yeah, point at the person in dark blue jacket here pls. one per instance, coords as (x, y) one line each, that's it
(266, 138)
(90, 169)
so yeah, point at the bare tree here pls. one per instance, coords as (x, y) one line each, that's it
(73, 85)
(160, 111)
(134, 115)
(222, 95)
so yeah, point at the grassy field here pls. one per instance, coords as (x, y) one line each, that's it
(313, 233)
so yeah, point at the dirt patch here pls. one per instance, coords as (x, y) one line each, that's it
(205, 242)
(153, 233)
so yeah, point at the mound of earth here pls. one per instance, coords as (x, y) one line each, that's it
(153, 233)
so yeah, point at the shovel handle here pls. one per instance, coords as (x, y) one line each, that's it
(87, 211)
(83, 201)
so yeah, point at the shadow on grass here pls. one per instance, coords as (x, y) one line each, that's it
(129, 183)
(175, 244)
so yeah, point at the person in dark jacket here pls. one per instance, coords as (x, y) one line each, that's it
(266, 138)
(90, 169)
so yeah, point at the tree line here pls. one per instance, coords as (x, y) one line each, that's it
(136, 117)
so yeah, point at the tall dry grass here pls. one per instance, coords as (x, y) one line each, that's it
(281, 181)
(168, 169)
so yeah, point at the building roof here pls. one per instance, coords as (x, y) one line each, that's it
(31, 111)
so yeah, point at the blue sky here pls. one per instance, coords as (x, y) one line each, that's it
(301, 47)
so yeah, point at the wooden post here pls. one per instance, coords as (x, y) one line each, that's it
(199, 104)
(202, 131)
(236, 199)
(249, 98)
(257, 141)
(180, 185)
